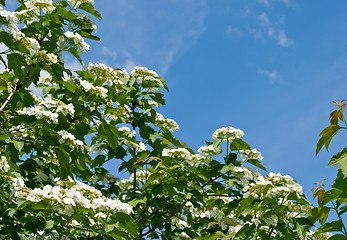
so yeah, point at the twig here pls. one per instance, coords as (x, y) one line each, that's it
(165, 220)
(8, 99)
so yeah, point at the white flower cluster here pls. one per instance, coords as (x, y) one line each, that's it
(177, 153)
(40, 5)
(250, 154)
(65, 135)
(76, 3)
(207, 151)
(69, 194)
(90, 87)
(4, 164)
(127, 131)
(78, 40)
(228, 134)
(142, 73)
(140, 176)
(19, 131)
(48, 107)
(139, 146)
(243, 174)
(112, 76)
(166, 123)
(10, 17)
(279, 186)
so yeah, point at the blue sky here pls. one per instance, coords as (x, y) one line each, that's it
(268, 67)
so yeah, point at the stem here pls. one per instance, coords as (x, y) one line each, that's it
(8, 99)
(337, 212)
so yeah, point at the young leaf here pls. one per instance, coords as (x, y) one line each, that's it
(327, 134)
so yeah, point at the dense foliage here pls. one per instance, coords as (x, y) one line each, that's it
(54, 144)
(333, 202)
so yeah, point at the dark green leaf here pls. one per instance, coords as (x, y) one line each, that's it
(256, 162)
(239, 144)
(338, 237)
(334, 226)
(76, 54)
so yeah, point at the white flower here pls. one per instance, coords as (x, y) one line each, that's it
(176, 152)
(3, 164)
(78, 40)
(250, 154)
(127, 131)
(228, 134)
(40, 5)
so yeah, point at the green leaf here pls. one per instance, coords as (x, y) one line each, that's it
(69, 86)
(15, 63)
(327, 134)
(87, 34)
(62, 4)
(256, 162)
(334, 226)
(341, 159)
(76, 54)
(319, 213)
(89, 8)
(217, 142)
(239, 144)
(2, 2)
(227, 168)
(18, 145)
(3, 137)
(338, 237)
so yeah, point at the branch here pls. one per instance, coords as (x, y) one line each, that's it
(8, 99)
(164, 220)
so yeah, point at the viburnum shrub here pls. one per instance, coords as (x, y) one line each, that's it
(58, 129)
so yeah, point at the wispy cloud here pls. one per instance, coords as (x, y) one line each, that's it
(271, 75)
(153, 34)
(265, 2)
(273, 31)
(234, 31)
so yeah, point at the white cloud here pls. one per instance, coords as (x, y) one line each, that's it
(149, 33)
(273, 31)
(283, 40)
(271, 75)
